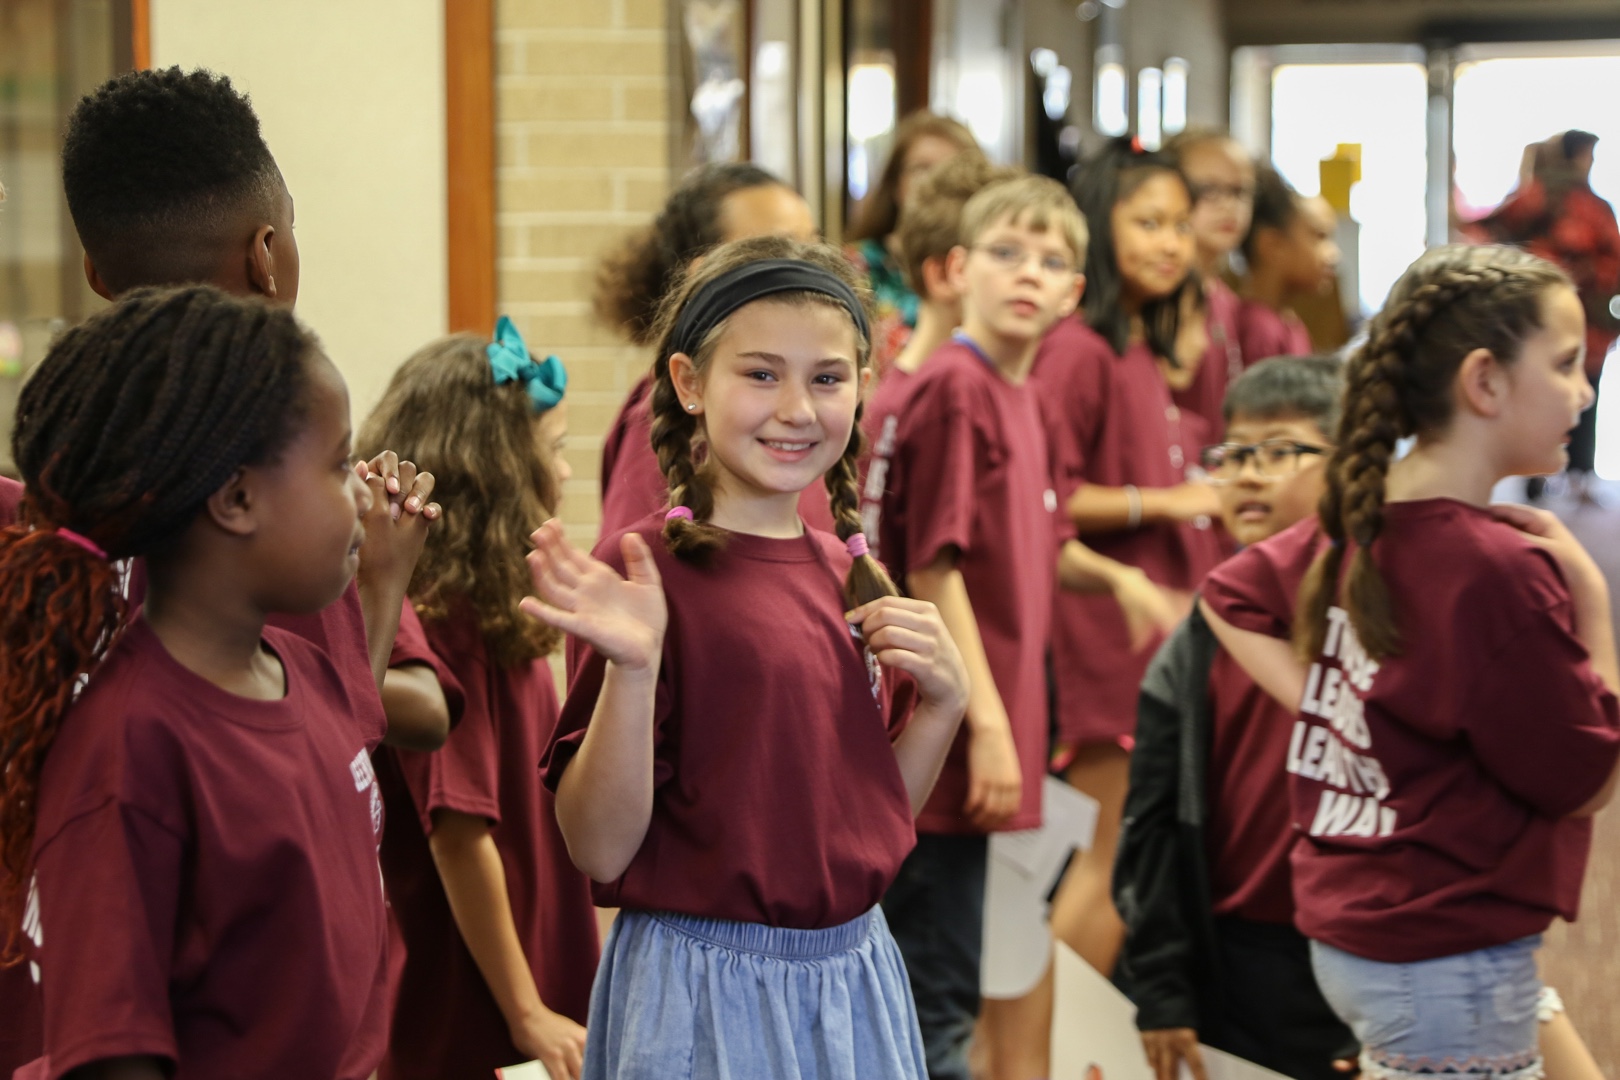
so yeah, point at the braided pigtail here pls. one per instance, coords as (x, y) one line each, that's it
(677, 440)
(867, 580)
(125, 429)
(1451, 302)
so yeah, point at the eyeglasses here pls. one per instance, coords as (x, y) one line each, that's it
(1011, 257)
(1274, 457)
(1221, 192)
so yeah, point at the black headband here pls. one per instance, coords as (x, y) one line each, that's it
(725, 294)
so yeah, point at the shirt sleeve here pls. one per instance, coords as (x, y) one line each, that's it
(1540, 718)
(1257, 588)
(1074, 383)
(463, 775)
(938, 459)
(411, 647)
(109, 883)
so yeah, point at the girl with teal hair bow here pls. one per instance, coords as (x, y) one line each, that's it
(509, 359)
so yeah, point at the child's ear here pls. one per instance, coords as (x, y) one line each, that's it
(232, 507)
(261, 263)
(688, 387)
(937, 285)
(956, 269)
(93, 276)
(1482, 383)
(1074, 297)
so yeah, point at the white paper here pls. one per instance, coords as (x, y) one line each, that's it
(1093, 1024)
(1223, 1066)
(1024, 868)
(529, 1070)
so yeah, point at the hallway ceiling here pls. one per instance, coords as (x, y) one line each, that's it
(1275, 22)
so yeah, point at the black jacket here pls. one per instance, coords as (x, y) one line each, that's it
(1161, 872)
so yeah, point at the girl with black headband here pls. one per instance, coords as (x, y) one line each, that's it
(734, 766)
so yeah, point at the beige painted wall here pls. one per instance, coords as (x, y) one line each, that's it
(351, 98)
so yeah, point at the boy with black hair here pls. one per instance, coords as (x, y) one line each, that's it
(1202, 876)
(169, 181)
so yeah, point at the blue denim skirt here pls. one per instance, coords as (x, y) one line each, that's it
(1469, 1015)
(678, 996)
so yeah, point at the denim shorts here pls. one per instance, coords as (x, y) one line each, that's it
(679, 997)
(1473, 1014)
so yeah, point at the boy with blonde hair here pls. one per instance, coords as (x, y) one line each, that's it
(968, 522)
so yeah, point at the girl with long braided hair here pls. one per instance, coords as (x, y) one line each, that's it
(188, 816)
(1453, 668)
(732, 766)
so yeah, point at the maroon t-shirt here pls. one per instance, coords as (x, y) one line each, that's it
(776, 796)
(881, 422)
(970, 471)
(1222, 363)
(447, 1022)
(411, 646)
(1432, 788)
(21, 1039)
(1249, 831)
(632, 484)
(1118, 425)
(207, 872)
(1264, 332)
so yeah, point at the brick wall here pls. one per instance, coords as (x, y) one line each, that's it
(581, 159)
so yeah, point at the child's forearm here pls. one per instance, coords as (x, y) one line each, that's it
(380, 602)
(413, 701)
(921, 749)
(944, 588)
(1094, 508)
(604, 801)
(474, 880)
(1270, 662)
(1080, 569)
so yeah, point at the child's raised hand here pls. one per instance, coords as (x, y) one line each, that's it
(909, 635)
(623, 618)
(397, 523)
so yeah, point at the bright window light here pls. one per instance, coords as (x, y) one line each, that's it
(1111, 113)
(1149, 107)
(1175, 95)
(871, 101)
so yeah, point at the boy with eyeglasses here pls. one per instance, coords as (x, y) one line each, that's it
(969, 522)
(1202, 876)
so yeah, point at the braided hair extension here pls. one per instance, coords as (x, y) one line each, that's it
(1450, 302)
(633, 278)
(1105, 180)
(677, 438)
(125, 429)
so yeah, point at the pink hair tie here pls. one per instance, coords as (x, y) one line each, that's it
(857, 545)
(679, 512)
(83, 541)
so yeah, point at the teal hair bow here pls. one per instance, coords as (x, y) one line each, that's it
(509, 359)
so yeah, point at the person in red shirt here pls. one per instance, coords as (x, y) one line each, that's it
(732, 768)
(930, 228)
(1289, 249)
(1211, 954)
(1558, 216)
(169, 180)
(1129, 484)
(498, 925)
(189, 820)
(714, 204)
(1220, 177)
(21, 1033)
(1458, 724)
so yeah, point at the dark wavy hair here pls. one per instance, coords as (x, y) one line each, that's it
(443, 411)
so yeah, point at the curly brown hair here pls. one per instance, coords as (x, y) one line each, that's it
(677, 435)
(496, 482)
(1451, 301)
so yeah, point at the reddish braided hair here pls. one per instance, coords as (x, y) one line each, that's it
(1451, 301)
(125, 429)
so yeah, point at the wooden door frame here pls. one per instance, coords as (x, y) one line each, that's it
(469, 124)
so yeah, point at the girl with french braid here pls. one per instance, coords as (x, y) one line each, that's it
(1453, 668)
(736, 766)
(188, 817)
